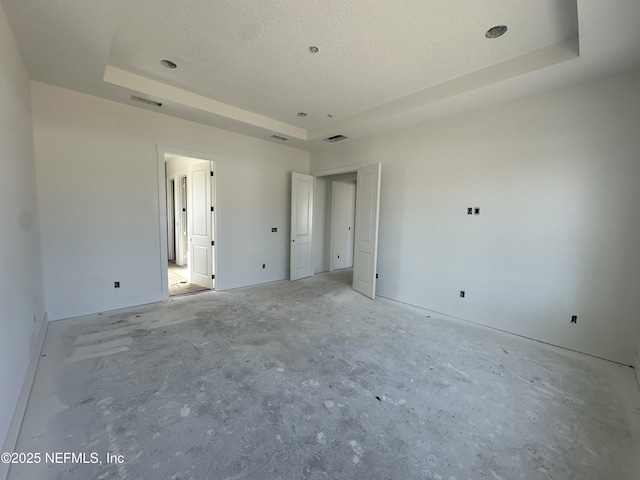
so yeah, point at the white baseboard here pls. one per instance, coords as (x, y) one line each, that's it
(63, 313)
(253, 281)
(23, 400)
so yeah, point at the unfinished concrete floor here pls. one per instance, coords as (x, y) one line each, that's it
(179, 283)
(310, 380)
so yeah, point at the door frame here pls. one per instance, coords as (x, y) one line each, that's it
(351, 169)
(162, 151)
(328, 173)
(182, 241)
(332, 227)
(171, 218)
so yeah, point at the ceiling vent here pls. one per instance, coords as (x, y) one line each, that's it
(168, 64)
(146, 100)
(497, 31)
(335, 138)
(277, 137)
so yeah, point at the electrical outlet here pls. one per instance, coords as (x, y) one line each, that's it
(574, 319)
(376, 275)
(264, 265)
(116, 284)
(274, 229)
(470, 211)
(461, 293)
(476, 211)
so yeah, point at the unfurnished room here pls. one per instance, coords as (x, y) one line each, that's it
(320, 240)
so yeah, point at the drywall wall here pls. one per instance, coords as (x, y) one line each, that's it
(21, 290)
(97, 167)
(556, 178)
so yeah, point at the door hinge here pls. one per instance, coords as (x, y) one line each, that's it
(213, 277)
(212, 174)
(213, 242)
(212, 209)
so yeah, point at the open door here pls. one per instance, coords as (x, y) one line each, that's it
(213, 229)
(171, 219)
(366, 236)
(200, 228)
(301, 253)
(183, 226)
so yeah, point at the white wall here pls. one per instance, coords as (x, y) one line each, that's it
(556, 177)
(98, 190)
(21, 291)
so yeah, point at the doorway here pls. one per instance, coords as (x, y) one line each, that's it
(171, 219)
(321, 224)
(190, 216)
(342, 224)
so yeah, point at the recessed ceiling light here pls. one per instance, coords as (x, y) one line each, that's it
(495, 32)
(314, 49)
(302, 114)
(168, 64)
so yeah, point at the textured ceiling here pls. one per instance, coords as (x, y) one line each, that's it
(244, 65)
(254, 54)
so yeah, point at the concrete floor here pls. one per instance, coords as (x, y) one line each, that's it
(179, 283)
(310, 380)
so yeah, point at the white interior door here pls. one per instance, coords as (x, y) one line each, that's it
(213, 229)
(366, 235)
(200, 225)
(183, 234)
(301, 253)
(171, 219)
(342, 224)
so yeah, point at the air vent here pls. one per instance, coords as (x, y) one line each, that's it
(146, 100)
(497, 31)
(277, 137)
(168, 64)
(335, 138)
